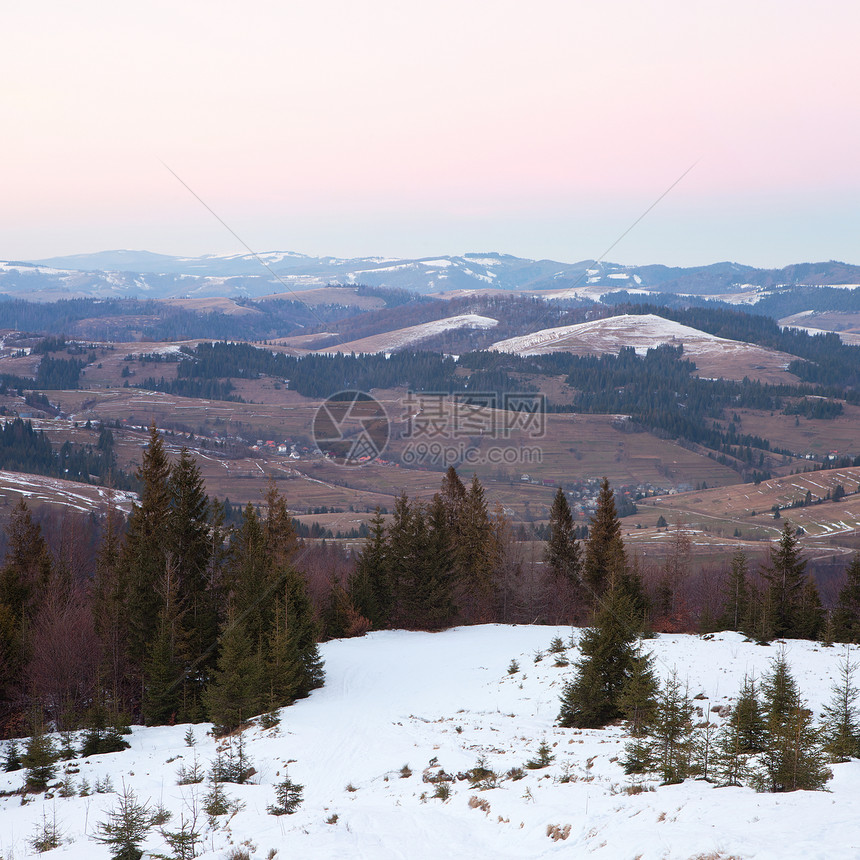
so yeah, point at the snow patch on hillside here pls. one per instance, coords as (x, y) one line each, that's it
(609, 335)
(85, 498)
(401, 338)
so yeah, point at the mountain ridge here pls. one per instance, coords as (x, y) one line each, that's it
(126, 273)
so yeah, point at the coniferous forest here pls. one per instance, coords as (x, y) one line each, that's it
(184, 617)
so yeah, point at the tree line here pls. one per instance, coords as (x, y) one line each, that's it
(181, 619)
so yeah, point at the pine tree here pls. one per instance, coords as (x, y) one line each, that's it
(438, 607)
(672, 732)
(785, 577)
(109, 612)
(369, 585)
(143, 555)
(189, 552)
(126, 827)
(24, 579)
(841, 729)
(638, 699)
(474, 554)
(289, 797)
(736, 595)
(39, 759)
(165, 668)
(237, 690)
(592, 697)
(792, 758)
(846, 616)
(562, 553)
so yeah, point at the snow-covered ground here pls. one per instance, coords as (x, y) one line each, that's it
(81, 497)
(403, 337)
(446, 700)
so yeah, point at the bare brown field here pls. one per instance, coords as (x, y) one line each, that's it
(747, 509)
(804, 435)
(328, 296)
(844, 323)
(215, 303)
(574, 448)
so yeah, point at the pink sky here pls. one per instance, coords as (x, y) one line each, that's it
(378, 127)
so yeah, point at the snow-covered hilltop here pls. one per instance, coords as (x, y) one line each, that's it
(640, 332)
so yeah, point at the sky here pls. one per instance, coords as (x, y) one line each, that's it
(383, 127)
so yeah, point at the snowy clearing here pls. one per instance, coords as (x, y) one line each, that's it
(446, 700)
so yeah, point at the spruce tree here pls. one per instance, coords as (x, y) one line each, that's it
(562, 553)
(369, 585)
(785, 576)
(109, 613)
(24, 579)
(278, 530)
(672, 732)
(840, 726)
(453, 495)
(237, 690)
(741, 738)
(289, 797)
(143, 555)
(302, 630)
(39, 759)
(190, 552)
(810, 618)
(126, 827)
(438, 607)
(638, 699)
(792, 758)
(474, 554)
(605, 559)
(747, 715)
(165, 693)
(736, 596)
(846, 616)
(592, 698)
(400, 553)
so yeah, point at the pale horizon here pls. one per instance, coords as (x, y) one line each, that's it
(385, 129)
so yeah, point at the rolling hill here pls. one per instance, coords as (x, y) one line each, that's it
(714, 356)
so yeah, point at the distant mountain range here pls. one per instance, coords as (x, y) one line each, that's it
(121, 274)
